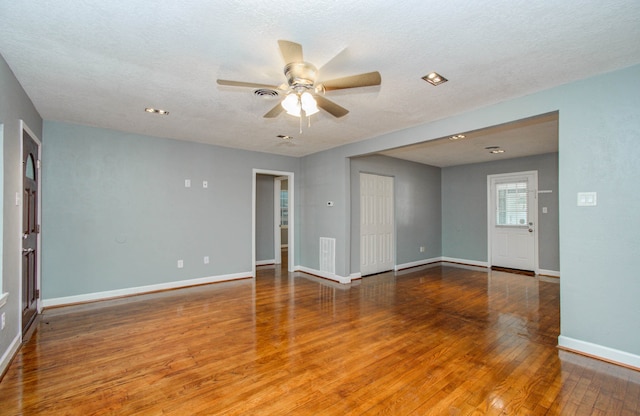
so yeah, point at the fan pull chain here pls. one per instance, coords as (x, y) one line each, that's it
(300, 124)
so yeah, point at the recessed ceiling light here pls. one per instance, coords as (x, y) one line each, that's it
(156, 111)
(494, 149)
(434, 78)
(457, 137)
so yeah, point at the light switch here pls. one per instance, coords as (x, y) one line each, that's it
(544, 210)
(587, 199)
(187, 183)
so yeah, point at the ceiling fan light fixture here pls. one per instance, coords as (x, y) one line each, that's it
(291, 104)
(434, 79)
(309, 104)
(295, 103)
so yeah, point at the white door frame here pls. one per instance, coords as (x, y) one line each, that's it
(19, 202)
(291, 242)
(532, 211)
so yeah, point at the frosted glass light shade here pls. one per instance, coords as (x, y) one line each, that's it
(309, 104)
(291, 105)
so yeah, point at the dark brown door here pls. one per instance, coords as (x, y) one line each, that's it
(30, 229)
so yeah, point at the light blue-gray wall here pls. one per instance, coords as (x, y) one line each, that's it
(325, 177)
(599, 132)
(117, 214)
(417, 207)
(599, 246)
(15, 105)
(264, 217)
(108, 194)
(464, 207)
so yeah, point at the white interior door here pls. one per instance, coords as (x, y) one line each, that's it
(512, 221)
(377, 245)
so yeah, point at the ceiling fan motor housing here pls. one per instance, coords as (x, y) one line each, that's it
(300, 75)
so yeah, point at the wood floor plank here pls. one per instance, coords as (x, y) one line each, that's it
(427, 341)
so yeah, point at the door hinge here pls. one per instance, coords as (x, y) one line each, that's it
(38, 164)
(37, 293)
(38, 229)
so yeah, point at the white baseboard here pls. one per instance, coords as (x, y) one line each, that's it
(90, 297)
(416, 263)
(355, 276)
(552, 273)
(599, 351)
(465, 261)
(330, 276)
(9, 353)
(265, 262)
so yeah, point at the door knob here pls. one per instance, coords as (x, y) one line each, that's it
(530, 230)
(27, 250)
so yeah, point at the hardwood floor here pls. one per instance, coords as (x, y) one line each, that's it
(428, 341)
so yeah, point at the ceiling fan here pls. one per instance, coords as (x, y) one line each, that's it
(304, 94)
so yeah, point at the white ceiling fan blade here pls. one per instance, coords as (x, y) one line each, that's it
(274, 112)
(291, 51)
(246, 84)
(330, 107)
(353, 81)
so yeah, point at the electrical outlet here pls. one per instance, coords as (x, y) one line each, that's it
(206, 259)
(422, 249)
(187, 183)
(4, 321)
(205, 184)
(180, 264)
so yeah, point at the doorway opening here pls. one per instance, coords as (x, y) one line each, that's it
(280, 179)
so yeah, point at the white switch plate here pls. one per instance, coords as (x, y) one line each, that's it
(187, 183)
(205, 184)
(180, 264)
(544, 210)
(329, 203)
(587, 199)
(4, 322)
(206, 259)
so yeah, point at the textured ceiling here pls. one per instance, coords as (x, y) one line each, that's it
(101, 63)
(528, 137)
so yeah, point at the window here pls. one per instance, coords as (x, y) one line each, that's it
(30, 171)
(511, 204)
